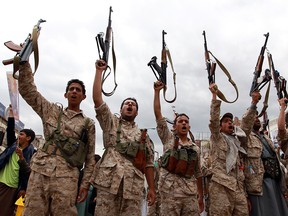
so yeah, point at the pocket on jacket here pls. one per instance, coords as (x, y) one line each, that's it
(105, 174)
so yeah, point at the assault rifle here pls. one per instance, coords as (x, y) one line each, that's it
(210, 65)
(104, 45)
(279, 81)
(24, 51)
(259, 82)
(161, 74)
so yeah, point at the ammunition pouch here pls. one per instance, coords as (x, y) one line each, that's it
(74, 151)
(272, 168)
(181, 161)
(191, 164)
(172, 161)
(181, 165)
(140, 159)
(135, 152)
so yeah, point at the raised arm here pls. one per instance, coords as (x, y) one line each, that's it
(10, 130)
(282, 132)
(281, 117)
(97, 85)
(214, 124)
(249, 116)
(158, 85)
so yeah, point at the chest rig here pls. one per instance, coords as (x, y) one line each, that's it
(73, 150)
(180, 161)
(135, 151)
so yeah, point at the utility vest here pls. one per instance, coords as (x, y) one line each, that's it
(180, 161)
(73, 150)
(135, 151)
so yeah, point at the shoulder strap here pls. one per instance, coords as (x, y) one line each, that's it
(174, 79)
(219, 93)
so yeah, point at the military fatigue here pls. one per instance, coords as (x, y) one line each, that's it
(264, 192)
(115, 172)
(50, 167)
(175, 191)
(253, 169)
(224, 187)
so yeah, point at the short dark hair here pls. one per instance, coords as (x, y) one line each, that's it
(76, 81)
(179, 115)
(129, 98)
(29, 133)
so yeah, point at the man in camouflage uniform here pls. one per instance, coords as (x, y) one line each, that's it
(52, 187)
(226, 190)
(262, 168)
(119, 183)
(179, 193)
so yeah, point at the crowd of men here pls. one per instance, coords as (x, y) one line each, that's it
(245, 175)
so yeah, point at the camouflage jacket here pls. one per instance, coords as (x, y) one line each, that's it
(219, 148)
(115, 168)
(253, 169)
(71, 126)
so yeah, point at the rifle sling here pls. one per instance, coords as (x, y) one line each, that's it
(114, 71)
(174, 78)
(219, 93)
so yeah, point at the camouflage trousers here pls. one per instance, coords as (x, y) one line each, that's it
(111, 205)
(50, 195)
(155, 209)
(179, 206)
(224, 201)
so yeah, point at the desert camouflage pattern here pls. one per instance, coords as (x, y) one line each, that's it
(227, 202)
(40, 187)
(223, 185)
(48, 164)
(115, 171)
(219, 148)
(110, 205)
(253, 169)
(182, 206)
(155, 209)
(170, 183)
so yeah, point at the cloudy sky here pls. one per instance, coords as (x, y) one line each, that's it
(68, 49)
